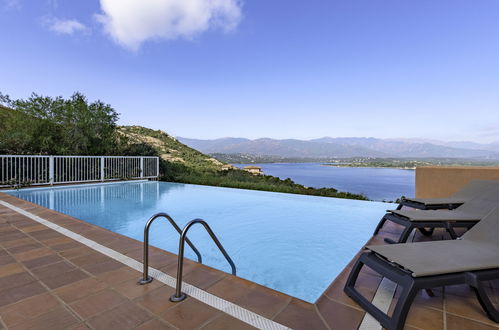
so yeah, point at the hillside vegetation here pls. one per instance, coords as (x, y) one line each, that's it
(73, 126)
(167, 148)
(180, 163)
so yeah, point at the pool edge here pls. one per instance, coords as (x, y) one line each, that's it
(310, 311)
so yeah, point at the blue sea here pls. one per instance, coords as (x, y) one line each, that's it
(376, 183)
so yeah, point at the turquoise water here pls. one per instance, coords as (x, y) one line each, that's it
(375, 183)
(291, 243)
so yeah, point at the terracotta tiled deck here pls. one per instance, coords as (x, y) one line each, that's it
(49, 281)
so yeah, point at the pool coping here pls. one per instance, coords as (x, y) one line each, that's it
(295, 314)
(71, 185)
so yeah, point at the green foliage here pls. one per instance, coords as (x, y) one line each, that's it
(17, 184)
(58, 126)
(169, 148)
(244, 180)
(45, 125)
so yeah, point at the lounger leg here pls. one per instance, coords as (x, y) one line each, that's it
(352, 277)
(406, 233)
(403, 306)
(407, 284)
(352, 292)
(450, 230)
(380, 225)
(426, 232)
(482, 297)
(430, 293)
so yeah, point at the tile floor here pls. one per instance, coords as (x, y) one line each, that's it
(49, 281)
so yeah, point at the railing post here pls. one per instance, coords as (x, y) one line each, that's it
(141, 167)
(51, 170)
(102, 168)
(157, 167)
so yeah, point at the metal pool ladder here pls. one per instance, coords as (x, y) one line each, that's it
(179, 295)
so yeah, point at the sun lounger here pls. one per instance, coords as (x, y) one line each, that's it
(464, 216)
(471, 260)
(466, 193)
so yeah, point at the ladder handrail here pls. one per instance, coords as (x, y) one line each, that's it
(179, 296)
(145, 274)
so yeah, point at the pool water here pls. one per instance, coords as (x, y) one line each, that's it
(291, 243)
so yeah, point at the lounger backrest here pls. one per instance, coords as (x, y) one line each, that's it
(486, 230)
(483, 201)
(474, 187)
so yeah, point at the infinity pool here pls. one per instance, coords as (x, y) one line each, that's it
(291, 243)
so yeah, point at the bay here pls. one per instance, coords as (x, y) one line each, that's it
(376, 183)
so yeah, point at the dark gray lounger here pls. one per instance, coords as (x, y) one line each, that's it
(472, 259)
(462, 196)
(464, 216)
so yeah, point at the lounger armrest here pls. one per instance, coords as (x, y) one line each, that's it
(432, 203)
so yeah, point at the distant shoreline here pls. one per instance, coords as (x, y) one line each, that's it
(370, 166)
(370, 181)
(400, 163)
(330, 165)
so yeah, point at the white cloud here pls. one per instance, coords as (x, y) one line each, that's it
(69, 26)
(131, 22)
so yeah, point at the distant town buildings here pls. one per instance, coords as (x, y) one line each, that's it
(227, 167)
(257, 170)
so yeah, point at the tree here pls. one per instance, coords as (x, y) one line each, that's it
(45, 125)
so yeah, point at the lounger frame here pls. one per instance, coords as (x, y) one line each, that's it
(422, 226)
(423, 206)
(410, 286)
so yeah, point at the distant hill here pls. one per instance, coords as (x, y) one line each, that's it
(169, 148)
(328, 147)
(473, 145)
(217, 144)
(180, 163)
(282, 148)
(494, 146)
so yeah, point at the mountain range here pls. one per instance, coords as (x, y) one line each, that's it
(346, 147)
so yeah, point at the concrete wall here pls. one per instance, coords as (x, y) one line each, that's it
(443, 181)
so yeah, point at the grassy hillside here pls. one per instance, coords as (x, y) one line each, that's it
(180, 163)
(168, 148)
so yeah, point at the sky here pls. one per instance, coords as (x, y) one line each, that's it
(265, 68)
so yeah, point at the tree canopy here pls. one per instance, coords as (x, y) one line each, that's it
(46, 125)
